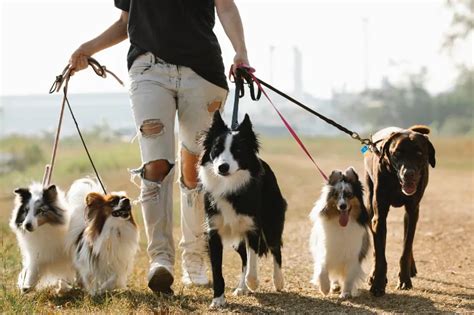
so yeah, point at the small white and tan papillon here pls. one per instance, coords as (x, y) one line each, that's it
(40, 221)
(102, 238)
(339, 239)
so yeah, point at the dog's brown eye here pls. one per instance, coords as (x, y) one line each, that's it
(348, 195)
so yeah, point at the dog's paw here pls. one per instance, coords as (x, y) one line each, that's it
(251, 282)
(404, 284)
(278, 281)
(324, 289)
(324, 286)
(345, 295)
(335, 287)
(377, 290)
(62, 287)
(218, 302)
(240, 292)
(377, 285)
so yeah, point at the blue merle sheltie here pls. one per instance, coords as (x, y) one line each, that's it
(40, 221)
(243, 204)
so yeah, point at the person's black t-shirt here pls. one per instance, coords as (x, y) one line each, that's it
(177, 31)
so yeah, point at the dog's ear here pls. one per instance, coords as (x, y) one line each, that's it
(336, 176)
(245, 125)
(218, 123)
(50, 194)
(94, 202)
(24, 193)
(420, 129)
(246, 130)
(386, 146)
(217, 127)
(431, 153)
(351, 174)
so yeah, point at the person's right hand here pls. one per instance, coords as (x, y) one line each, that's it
(78, 60)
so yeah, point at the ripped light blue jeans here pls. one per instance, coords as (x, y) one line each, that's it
(159, 91)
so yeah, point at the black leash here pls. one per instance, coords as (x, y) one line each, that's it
(246, 74)
(84, 145)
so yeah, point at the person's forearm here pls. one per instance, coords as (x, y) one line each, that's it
(232, 24)
(116, 33)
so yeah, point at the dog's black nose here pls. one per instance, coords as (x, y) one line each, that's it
(343, 206)
(29, 226)
(224, 168)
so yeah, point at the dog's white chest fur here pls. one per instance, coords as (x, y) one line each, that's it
(334, 245)
(231, 226)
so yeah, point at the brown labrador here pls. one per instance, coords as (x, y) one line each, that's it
(397, 177)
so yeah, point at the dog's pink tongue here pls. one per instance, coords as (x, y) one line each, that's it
(344, 218)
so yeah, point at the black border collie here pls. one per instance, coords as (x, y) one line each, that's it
(243, 204)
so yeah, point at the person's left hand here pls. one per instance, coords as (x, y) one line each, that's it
(240, 58)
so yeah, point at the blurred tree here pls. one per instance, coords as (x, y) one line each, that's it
(462, 22)
(454, 109)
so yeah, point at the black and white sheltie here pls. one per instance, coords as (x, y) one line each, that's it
(339, 239)
(102, 238)
(243, 204)
(40, 221)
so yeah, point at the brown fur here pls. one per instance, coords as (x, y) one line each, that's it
(332, 212)
(421, 129)
(406, 149)
(99, 208)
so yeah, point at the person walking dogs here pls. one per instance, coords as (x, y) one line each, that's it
(175, 66)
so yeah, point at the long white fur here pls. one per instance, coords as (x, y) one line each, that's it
(335, 251)
(45, 259)
(115, 247)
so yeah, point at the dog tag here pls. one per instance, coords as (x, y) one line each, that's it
(364, 149)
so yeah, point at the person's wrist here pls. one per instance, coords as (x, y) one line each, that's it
(86, 49)
(241, 53)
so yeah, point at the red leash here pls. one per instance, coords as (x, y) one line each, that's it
(250, 72)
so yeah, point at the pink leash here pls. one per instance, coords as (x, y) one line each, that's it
(251, 71)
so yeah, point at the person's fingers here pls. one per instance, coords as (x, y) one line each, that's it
(82, 64)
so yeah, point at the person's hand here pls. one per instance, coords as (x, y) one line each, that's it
(240, 58)
(78, 60)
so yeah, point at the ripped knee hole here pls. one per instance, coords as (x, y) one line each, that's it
(152, 127)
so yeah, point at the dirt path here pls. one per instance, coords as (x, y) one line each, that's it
(443, 250)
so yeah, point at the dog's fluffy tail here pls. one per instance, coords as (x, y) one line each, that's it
(421, 129)
(76, 197)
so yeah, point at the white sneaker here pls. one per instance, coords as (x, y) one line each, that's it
(194, 270)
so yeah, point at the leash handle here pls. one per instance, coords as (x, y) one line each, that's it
(63, 79)
(251, 77)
